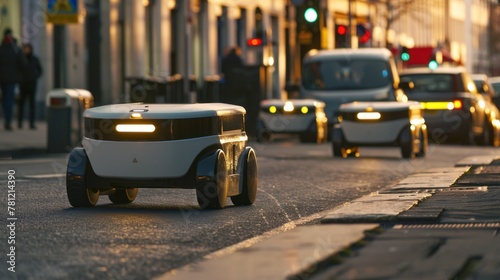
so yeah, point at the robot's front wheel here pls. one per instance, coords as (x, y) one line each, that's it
(123, 196)
(248, 179)
(423, 142)
(212, 193)
(77, 175)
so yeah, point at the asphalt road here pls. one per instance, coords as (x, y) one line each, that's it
(164, 229)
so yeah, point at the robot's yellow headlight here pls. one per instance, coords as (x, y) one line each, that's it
(146, 128)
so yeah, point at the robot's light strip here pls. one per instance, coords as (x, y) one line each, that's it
(368, 116)
(148, 128)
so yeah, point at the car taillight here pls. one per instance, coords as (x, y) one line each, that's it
(457, 104)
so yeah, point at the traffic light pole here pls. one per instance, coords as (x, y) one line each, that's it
(349, 16)
(351, 27)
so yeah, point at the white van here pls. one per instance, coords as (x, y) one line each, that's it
(344, 75)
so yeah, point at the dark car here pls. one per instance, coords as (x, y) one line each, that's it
(492, 98)
(453, 108)
(495, 83)
(485, 87)
(341, 76)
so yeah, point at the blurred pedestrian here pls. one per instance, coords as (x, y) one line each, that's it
(28, 85)
(12, 63)
(231, 59)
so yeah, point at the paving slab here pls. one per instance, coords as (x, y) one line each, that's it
(421, 186)
(374, 208)
(422, 253)
(477, 160)
(421, 214)
(457, 256)
(429, 180)
(447, 169)
(279, 256)
(481, 175)
(381, 259)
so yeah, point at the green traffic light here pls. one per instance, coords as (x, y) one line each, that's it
(311, 15)
(433, 65)
(405, 56)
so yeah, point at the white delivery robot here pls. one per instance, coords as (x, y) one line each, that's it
(190, 146)
(303, 117)
(384, 123)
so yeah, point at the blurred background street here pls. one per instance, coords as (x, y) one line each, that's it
(316, 215)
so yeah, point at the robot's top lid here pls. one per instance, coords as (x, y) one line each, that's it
(163, 111)
(295, 102)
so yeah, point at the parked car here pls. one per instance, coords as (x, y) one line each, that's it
(495, 83)
(492, 98)
(345, 75)
(484, 87)
(452, 106)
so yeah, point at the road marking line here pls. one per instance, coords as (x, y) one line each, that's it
(10, 161)
(45, 176)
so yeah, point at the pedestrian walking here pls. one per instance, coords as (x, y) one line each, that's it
(232, 59)
(12, 63)
(28, 85)
(230, 81)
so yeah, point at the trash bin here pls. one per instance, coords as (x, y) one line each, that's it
(175, 89)
(211, 89)
(65, 118)
(292, 89)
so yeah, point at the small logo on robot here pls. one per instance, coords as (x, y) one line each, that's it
(135, 160)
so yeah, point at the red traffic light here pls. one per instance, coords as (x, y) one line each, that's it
(254, 42)
(341, 29)
(366, 36)
(364, 33)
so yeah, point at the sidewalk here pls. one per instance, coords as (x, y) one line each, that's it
(23, 142)
(439, 224)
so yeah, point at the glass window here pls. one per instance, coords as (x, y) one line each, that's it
(430, 83)
(346, 74)
(481, 86)
(496, 87)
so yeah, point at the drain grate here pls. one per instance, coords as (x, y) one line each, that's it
(467, 189)
(448, 226)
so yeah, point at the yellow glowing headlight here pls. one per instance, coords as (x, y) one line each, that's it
(368, 116)
(272, 109)
(288, 107)
(147, 128)
(304, 110)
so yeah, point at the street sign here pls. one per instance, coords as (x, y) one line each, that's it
(62, 11)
